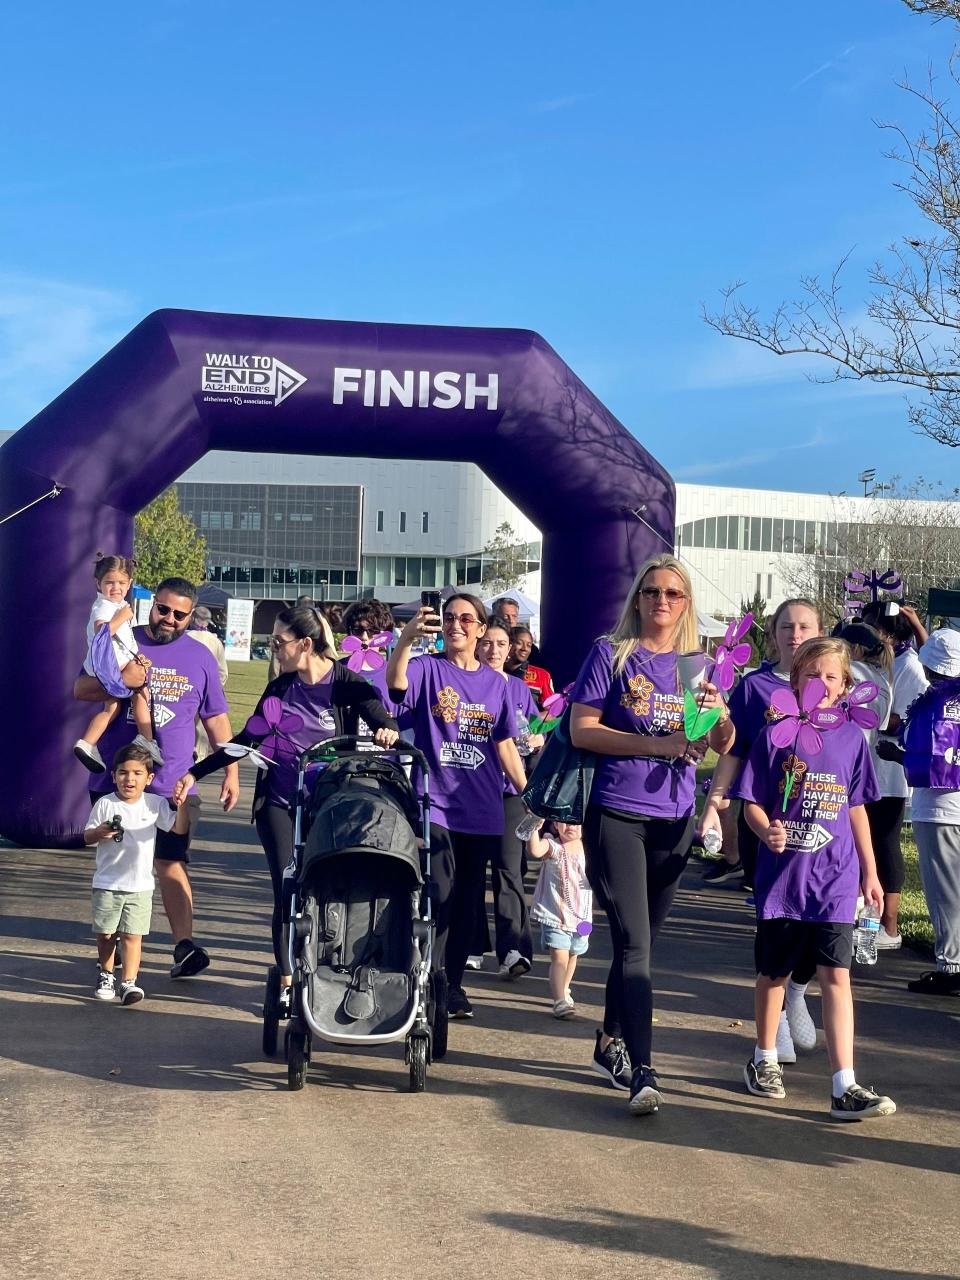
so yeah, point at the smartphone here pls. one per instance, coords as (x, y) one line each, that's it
(431, 600)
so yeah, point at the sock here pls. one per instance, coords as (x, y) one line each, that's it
(764, 1055)
(842, 1080)
(796, 991)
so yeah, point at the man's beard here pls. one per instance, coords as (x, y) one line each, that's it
(163, 636)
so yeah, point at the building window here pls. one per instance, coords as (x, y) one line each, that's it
(379, 522)
(403, 524)
(425, 522)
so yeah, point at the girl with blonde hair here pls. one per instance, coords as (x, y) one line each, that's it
(627, 708)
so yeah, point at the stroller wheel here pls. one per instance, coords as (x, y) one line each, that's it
(438, 1014)
(298, 1055)
(271, 1011)
(417, 1052)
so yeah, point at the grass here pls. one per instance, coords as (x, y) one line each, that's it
(915, 926)
(245, 684)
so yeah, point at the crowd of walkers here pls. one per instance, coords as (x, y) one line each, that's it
(810, 822)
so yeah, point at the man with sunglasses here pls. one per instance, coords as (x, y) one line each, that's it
(184, 684)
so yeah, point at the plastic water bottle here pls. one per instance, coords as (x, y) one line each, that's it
(527, 826)
(712, 840)
(523, 735)
(867, 932)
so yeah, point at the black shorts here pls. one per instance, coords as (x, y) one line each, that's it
(783, 946)
(169, 847)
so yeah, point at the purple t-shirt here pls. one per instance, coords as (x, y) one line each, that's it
(522, 700)
(185, 683)
(646, 697)
(457, 717)
(817, 877)
(312, 703)
(749, 706)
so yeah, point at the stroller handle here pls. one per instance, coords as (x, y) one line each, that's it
(348, 743)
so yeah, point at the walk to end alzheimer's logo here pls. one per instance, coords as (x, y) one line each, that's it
(229, 378)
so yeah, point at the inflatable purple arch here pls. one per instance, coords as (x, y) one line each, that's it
(182, 383)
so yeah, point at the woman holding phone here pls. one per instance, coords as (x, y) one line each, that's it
(463, 721)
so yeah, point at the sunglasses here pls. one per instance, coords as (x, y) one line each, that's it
(669, 593)
(277, 642)
(465, 619)
(179, 614)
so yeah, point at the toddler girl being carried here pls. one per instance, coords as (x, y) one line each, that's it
(114, 578)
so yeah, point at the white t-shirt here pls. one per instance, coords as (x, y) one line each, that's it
(930, 805)
(127, 864)
(124, 644)
(908, 684)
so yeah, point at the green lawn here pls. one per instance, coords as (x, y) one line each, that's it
(246, 682)
(915, 924)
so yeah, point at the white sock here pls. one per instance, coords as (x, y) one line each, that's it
(764, 1055)
(796, 991)
(842, 1080)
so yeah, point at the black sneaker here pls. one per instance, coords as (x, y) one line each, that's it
(188, 959)
(458, 1006)
(130, 992)
(722, 872)
(861, 1102)
(936, 983)
(613, 1062)
(106, 988)
(645, 1095)
(765, 1079)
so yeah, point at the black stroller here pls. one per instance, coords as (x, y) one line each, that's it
(357, 913)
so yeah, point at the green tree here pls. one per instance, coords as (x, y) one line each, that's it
(758, 607)
(166, 543)
(507, 557)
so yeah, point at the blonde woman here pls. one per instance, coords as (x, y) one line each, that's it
(628, 710)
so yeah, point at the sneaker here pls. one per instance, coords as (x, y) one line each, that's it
(458, 1006)
(888, 941)
(765, 1079)
(803, 1029)
(514, 966)
(188, 959)
(106, 988)
(89, 755)
(645, 1096)
(148, 745)
(612, 1062)
(861, 1102)
(474, 962)
(786, 1053)
(130, 993)
(722, 873)
(564, 1008)
(936, 983)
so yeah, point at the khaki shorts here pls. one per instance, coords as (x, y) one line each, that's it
(117, 911)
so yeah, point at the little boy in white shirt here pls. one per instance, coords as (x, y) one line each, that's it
(123, 825)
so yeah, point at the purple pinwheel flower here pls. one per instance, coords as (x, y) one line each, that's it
(365, 655)
(803, 721)
(273, 726)
(853, 707)
(557, 703)
(732, 653)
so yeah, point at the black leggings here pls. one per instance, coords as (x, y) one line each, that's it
(633, 865)
(509, 898)
(275, 828)
(886, 818)
(458, 865)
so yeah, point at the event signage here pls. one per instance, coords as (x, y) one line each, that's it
(242, 379)
(236, 641)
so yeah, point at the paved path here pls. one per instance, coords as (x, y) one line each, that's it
(156, 1141)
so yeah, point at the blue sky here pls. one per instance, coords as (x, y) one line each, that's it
(594, 172)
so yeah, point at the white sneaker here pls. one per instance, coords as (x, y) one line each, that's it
(564, 1008)
(106, 988)
(514, 966)
(89, 756)
(151, 747)
(785, 1050)
(888, 941)
(474, 962)
(803, 1030)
